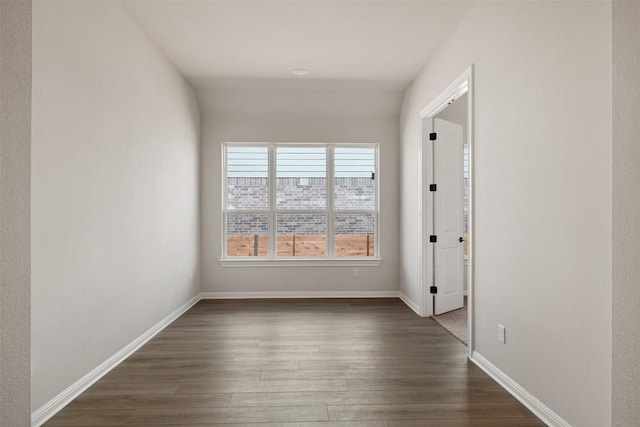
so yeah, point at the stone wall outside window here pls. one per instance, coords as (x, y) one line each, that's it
(356, 193)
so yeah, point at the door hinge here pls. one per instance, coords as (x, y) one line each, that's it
(433, 136)
(433, 238)
(434, 289)
(433, 187)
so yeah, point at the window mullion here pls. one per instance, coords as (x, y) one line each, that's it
(330, 181)
(224, 201)
(272, 203)
(377, 181)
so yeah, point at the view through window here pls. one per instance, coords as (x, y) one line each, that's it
(286, 200)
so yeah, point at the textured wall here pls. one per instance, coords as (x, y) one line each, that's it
(542, 129)
(626, 207)
(307, 223)
(15, 192)
(115, 189)
(300, 193)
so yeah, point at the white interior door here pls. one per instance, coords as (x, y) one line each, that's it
(448, 216)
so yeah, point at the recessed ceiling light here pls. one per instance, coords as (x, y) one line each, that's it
(300, 72)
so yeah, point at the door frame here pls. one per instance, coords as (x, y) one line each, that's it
(463, 84)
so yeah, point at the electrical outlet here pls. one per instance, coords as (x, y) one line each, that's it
(356, 272)
(501, 332)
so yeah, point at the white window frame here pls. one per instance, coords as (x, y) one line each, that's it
(281, 261)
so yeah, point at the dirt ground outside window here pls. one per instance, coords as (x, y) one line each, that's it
(302, 245)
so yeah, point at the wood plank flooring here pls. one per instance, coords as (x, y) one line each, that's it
(298, 363)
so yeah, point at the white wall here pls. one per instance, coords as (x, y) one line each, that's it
(280, 121)
(15, 203)
(626, 205)
(114, 194)
(542, 193)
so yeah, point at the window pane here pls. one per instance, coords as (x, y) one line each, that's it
(354, 182)
(247, 234)
(247, 177)
(301, 178)
(354, 234)
(302, 235)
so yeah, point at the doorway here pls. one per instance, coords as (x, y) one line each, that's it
(447, 220)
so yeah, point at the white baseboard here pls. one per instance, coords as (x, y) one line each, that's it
(49, 409)
(321, 294)
(412, 305)
(527, 399)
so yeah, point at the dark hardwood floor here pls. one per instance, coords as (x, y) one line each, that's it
(324, 363)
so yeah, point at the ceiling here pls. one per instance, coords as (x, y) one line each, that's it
(374, 41)
(359, 40)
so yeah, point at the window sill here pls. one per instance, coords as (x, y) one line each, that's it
(301, 262)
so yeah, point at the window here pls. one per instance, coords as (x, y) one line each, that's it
(294, 201)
